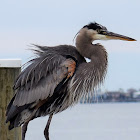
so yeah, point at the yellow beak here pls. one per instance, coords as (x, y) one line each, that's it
(111, 35)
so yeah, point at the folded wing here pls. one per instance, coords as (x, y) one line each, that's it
(39, 80)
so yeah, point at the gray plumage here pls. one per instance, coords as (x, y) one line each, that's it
(59, 77)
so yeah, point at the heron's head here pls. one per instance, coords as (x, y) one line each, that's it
(99, 32)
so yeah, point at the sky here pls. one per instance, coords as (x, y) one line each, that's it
(51, 23)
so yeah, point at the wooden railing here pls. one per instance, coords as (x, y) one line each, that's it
(9, 70)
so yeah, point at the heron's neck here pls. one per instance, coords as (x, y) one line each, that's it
(95, 52)
(83, 45)
(93, 73)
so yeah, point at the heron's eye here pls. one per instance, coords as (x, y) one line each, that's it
(103, 32)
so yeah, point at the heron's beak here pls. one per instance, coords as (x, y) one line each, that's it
(111, 35)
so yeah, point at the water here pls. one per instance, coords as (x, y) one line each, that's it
(117, 121)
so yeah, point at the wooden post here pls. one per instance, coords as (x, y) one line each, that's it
(9, 70)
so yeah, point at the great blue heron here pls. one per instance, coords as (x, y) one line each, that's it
(59, 76)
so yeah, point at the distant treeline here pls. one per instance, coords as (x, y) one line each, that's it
(131, 95)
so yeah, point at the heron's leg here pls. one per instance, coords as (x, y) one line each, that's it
(24, 129)
(46, 130)
(25, 125)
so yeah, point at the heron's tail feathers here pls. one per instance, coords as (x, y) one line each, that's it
(19, 119)
(17, 115)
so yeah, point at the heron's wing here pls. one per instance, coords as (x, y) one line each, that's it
(39, 80)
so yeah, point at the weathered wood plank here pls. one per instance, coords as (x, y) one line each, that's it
(7, 78)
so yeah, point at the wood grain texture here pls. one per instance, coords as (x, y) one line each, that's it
(7, 78)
